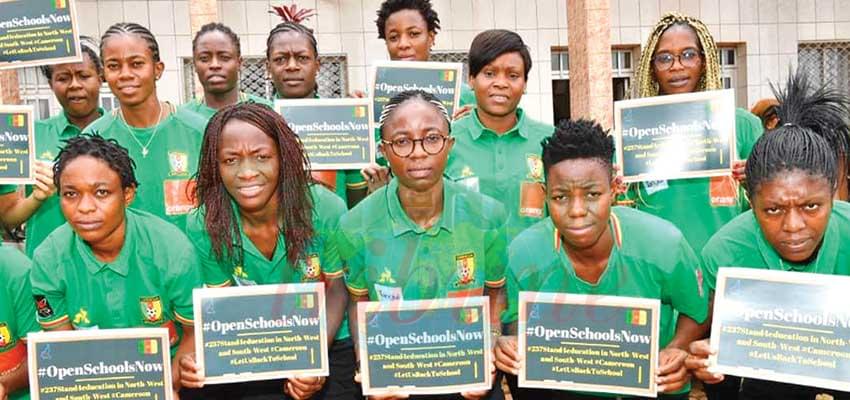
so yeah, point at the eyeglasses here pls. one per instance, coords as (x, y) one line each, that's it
(688, 58)
(404, 147)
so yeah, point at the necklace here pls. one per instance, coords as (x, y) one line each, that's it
(133, 135)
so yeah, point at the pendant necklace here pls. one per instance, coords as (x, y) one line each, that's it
(145, 146)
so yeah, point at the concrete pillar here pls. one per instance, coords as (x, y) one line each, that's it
(591, 92)
(9, 91)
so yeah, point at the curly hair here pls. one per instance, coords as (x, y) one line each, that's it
(95, 146)
(576, 140)
(390, 7)
(295, 204)
(710, 80)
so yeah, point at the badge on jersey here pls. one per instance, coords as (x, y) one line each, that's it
(465, 269)
(532, 199)
(312, 268)
(151, 309)
(652, 187)
(178, 162)
(723, 191)
(388, 293)
(179, 196)
(535, 167)
(5, 336)
(81, 318)
(42, 306)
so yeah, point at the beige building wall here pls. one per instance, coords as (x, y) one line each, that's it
(767, 30)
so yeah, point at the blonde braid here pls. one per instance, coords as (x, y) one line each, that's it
(710, 80)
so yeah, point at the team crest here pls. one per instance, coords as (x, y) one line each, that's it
(466, 172)
(151, 309)
(5, 336)
(179, 163)
(465, 268)
(239, 272)
(312, 267)
(535, 167)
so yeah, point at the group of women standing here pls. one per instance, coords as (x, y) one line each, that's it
(154, 200)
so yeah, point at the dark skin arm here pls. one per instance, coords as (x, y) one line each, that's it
(355, 196)
(336, 303)
(672, 374)
(186, 347)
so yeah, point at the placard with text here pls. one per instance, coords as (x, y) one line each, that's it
(251, 333)
(38, 32)
(336, 133)
(424, 346)
(782, 326)
(389, 78)
(588, 343)
(17, 144)
(100, 364)
(675, 136)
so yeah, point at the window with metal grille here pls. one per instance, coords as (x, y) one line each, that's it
(728, 66)
(826, 63)
(453, 56)
(332, 77)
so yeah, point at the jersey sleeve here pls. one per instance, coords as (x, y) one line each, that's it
(48, 290)
(351, 252)
(212, 272)
(353, 179)
(184, 277)
(329, 209)
(509, 315)
(685, 286)
(748, 129)
(24, 306)
(496, 249)
(709, 267)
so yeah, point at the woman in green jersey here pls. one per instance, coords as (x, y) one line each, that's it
(794, 224)
(680, 56)
(588, 247)
(292, 58)
(260, 223)
(77, 88)
(112, 266)
(163, 142)
(217, 57)
(414, 238)
(17, 319)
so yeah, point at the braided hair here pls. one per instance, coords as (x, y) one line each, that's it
(812, 123)
(581, 139)
(218, 27)
(95, 146)
(295, 202)
(89, 49)
(390, 7)
(824, 111)
(710, 80)
(412, 95)
(292, 22)
(131, 28)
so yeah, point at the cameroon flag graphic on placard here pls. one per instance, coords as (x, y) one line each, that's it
(148, 346)
(636, 317)
(16, 120)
